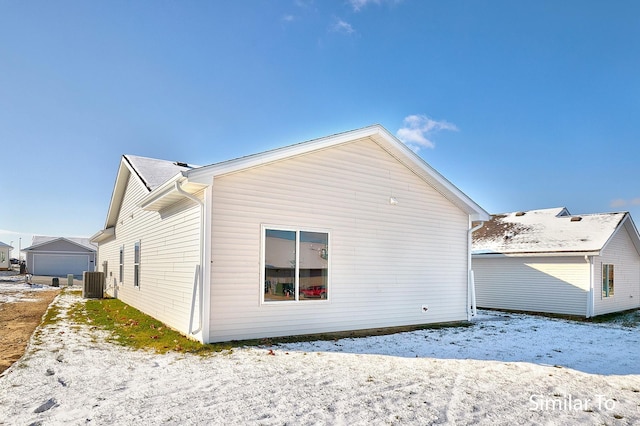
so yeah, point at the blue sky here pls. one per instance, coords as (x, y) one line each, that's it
(522, 105)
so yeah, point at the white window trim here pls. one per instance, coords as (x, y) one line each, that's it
(121, 264)
(136, 280)
(609, 294)
(296, 300)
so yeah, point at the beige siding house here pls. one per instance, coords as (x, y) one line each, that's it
(346, 232)
(5, 253)
(551, 261)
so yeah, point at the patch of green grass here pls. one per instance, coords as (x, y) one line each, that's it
(132, 328)
(51, 316)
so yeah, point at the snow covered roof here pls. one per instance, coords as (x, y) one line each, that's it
(154, 172)
(40, 240)
(552, 230)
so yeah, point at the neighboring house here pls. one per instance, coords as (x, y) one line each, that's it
(551, 261)
(5, 252)
(351, 231)
(60, 256)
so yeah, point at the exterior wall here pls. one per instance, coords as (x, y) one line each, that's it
(621, 253)
(557, 285)
(386, 261)
(169, 250)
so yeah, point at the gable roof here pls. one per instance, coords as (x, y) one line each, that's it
(5, 245)
(550, 231)
(39, 241)
(195, 179)
(150, 172)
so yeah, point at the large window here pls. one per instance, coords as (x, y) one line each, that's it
(607, 280)
(121, 270)
(296, 265)
(136, 264)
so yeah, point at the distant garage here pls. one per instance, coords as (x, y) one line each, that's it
(59, 256)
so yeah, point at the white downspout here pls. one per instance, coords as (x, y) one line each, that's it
(591, 294)
(200, 267)
(471, 285)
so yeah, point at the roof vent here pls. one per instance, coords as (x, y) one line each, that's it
(178, 163)
(521, 213)
(576, 219)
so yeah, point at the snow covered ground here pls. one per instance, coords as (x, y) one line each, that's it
(504, 370)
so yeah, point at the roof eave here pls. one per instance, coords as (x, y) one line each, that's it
(103, 235)
(167, 193)
(377, 133)
(539, 254)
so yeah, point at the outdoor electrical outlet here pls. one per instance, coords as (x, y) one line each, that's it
(425, 308)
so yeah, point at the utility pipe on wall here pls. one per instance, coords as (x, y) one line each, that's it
(199, 268)
(471, 285)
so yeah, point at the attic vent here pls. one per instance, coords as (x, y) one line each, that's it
(576, 219)
(178, 163)
(521, 213)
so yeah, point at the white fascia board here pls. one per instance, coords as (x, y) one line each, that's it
(117, 194)
(103, 235)
(160, 192)
(630, 227)
(167, 194)
(544, 254)
(204, 175)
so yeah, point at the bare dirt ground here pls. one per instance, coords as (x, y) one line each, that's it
(19, 319)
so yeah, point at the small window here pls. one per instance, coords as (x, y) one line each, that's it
(136, 264)
(121, 269)
(607, 280)
(295, 265)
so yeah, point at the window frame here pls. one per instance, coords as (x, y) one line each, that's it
(298, 230)
(121, 265)
(608, 280)
(137, 253)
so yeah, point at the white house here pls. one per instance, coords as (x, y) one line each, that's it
(350, 231)
(554, 262)
(5, 252)
(60, 256)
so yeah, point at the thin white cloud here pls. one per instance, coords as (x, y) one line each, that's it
(358, 5)
(342, 27)
(6, 231)
(621, 202)
(288, 18)
(417, 131)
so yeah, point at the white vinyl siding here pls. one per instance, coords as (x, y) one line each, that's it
(169, 257)
(621, 253)
(538, 284)
(386, 260)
